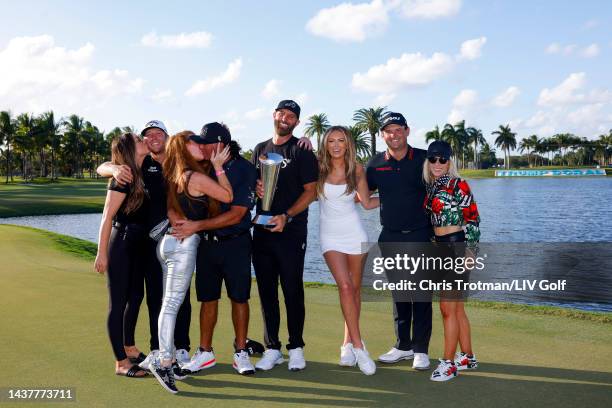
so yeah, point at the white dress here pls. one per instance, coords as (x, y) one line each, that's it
(340, 228)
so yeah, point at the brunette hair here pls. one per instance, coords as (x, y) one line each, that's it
(123, 152)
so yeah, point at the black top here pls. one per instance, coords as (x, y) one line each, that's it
(299, 167)
(243, 178)
(137, 216)
(153, 178)
(401, 188)
(194, 208)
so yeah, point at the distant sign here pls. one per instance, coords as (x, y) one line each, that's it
(551, 173)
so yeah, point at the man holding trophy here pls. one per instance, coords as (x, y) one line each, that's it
(287, 185)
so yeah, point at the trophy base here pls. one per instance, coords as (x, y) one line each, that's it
(261, 219)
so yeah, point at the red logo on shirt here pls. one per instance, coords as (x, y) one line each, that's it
(388, 168)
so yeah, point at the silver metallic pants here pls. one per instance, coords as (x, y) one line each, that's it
(178, 260)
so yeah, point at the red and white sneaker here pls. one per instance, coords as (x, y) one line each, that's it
(200, 360)
(464, 361)
(446, 371)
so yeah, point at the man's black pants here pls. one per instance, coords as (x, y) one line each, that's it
(280, 255)
(407, 315)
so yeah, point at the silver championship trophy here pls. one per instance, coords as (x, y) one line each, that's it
(269, 165)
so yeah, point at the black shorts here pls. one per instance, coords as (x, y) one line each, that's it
(228, 260)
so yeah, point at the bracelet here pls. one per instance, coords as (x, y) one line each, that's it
(219, 172)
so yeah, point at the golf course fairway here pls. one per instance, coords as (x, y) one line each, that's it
(53, 334)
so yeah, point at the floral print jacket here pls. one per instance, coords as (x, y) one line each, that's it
(449, 201)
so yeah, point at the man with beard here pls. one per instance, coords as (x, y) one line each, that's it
(279, 249)
(397, 174)
(155, 135)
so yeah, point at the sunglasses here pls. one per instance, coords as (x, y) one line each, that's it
(433, 160)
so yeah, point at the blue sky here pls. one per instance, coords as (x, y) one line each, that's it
(542, 67)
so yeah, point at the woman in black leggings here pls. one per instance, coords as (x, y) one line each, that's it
(121, 243)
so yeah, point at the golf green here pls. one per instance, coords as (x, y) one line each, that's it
(53, 335)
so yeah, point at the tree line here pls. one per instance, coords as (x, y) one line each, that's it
(47, 146)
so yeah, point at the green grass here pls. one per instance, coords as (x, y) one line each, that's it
(53, 330)
(65, 196)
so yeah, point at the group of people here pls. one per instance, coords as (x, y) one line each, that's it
(178, 205)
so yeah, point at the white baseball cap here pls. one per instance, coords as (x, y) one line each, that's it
(154, 124)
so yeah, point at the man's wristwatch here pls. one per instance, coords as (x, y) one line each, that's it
(289, 218)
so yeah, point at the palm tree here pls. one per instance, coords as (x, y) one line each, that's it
(433, 135)
(317, 125)
(50, 128)
(529, 144)
(506, 140)
(360, 138)
(475, 136)
(8, 131)
(487, 154)
(24, 141)
(455, 135)
(370, 120)
(73, 141)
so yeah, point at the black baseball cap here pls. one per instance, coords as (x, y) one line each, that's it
(440, 148)
(289, 105)
(393, 118)
(215, 132)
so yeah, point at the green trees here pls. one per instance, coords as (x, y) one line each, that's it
(370, 120)
(506, 140)
(361, 142)
(8, 131)
(530, 144)
(316, 125)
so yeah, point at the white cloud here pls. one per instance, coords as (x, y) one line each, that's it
(256, 114)
(349, 22)
(463, 106)
(429, 9)
(590, 51)
(472, 49)
(272, 89)
(199, 39)
(409, 70)
(302, 98)
(590, 24)
(230, 75)
(565, 92)
(507, 97)
(38, 75)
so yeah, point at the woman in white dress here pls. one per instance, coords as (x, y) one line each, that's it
(341, 180)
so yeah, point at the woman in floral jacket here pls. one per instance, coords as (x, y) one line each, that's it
(455, 219)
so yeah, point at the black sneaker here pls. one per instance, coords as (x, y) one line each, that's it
(179, 373)
(254, 348)
(165, 377)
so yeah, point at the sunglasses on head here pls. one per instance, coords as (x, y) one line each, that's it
(442, 160)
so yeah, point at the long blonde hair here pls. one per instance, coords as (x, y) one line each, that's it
(123, 152)
(178, 162)
(350, 161)
(429, 178)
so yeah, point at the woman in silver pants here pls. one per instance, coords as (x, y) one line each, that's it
(192, 195)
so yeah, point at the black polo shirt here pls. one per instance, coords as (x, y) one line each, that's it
(401, 188)
(153, 178)
(243, 178)
(299, 167)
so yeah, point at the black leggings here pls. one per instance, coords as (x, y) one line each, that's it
(126, 250)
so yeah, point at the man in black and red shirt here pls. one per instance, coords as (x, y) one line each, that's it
(397, 174)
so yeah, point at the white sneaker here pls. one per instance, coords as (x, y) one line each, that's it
(242, 363)
(463, 362)
(446, 371)
(347, 356)
(394, 355)
(200, 360)
(270, 358)
(421, 361)
(147, 363)
(182, 357)
(365, 363)
(296, 359)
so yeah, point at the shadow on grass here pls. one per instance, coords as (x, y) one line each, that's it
(327, 384)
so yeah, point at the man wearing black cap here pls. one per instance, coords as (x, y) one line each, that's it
(155, 135)
(224, 253)
(397, 174)
(278, 251)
